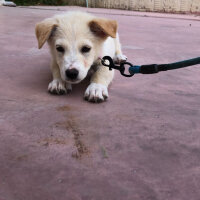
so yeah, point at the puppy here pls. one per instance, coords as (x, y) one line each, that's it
(77, 41)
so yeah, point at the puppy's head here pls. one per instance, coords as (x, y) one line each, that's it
(75, 41)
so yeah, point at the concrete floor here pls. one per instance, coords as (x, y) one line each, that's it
(143, 143)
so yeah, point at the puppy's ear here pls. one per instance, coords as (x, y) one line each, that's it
(103, 27)
(43, 31)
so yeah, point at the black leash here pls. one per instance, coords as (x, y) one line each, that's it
(147, 69)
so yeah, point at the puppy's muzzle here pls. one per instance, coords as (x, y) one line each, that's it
(71, 74)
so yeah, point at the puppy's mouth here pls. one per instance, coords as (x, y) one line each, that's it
(73, 81)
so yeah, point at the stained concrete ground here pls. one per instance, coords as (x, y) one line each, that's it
(143, 143)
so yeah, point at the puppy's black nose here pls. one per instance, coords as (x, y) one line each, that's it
(71, 73)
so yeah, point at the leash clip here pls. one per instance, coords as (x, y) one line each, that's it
(108, 62)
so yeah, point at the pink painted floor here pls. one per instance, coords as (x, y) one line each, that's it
(142, 144)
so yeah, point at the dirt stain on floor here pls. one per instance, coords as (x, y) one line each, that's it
(72, 124)
(22, 157)
(65, 108)
(81, 149)
(51, 141)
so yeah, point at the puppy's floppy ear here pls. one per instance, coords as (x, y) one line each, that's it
(103, 27)
(43, 30)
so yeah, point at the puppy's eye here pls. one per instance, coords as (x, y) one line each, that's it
(85, 49)
(60, 49)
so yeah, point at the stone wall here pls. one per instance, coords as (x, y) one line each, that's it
(149, 5)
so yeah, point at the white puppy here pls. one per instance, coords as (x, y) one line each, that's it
(77, 41)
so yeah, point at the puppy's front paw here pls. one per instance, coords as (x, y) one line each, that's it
(57, 86)
(96, 93)
(119, 58)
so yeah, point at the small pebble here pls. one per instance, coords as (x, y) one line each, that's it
(60, 181)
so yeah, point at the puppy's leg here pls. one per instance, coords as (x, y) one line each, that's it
(57, 86)
(119, 57)
(97, 91)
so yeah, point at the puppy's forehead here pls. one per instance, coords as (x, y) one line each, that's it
(72, 37)
(63, 41)
(73, 27)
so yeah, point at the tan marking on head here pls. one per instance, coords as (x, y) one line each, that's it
(103, 27)
(43, 31)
